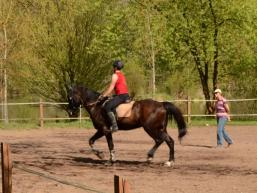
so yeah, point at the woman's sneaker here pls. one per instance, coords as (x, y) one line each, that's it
(229, 144)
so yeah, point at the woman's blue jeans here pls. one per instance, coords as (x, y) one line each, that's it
(221, 133)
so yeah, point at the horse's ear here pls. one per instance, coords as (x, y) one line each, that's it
(71, 86)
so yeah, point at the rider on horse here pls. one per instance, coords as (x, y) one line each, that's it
(119, 85)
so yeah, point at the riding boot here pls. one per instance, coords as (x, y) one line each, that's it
(112, 118)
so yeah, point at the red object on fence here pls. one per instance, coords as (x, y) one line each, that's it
(6, 168)
(121, 185)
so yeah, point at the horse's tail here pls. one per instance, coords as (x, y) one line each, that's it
(176, 113)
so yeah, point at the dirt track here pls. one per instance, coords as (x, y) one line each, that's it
(199, 168)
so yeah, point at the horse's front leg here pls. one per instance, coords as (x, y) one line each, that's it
(92, 140)
(111, 147)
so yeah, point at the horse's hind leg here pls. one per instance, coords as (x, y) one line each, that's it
(92, 140)
(159, 138)
(170, 143)
(150, 154)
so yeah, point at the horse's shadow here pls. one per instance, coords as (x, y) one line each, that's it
(91, 161)
(87, 160)
(193, 145)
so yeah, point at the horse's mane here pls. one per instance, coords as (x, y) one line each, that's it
(90, 94)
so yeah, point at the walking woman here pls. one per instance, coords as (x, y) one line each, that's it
(222, 115)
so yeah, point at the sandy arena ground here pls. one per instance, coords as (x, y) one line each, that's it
(199, 167)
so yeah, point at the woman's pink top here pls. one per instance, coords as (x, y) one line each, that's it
(220, 108)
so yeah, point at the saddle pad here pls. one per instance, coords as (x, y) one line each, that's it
(124, 109)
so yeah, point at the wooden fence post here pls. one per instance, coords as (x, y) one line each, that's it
(121, 185)
(80, 115)
(188, 110)
(6, 168)
(41, 113)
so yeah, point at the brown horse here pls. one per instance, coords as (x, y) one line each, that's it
(149, 114)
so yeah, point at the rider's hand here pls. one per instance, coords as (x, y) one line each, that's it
(100, 98)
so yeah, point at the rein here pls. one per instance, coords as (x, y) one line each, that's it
(97, 101)
(90, 104)
(93, 103)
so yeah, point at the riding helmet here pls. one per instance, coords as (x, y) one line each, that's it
(118, 64)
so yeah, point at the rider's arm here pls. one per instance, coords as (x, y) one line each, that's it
(111, 86)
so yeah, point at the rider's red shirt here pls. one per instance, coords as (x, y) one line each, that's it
(121, 85)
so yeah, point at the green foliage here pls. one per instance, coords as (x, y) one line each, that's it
(54, 44)
(136, 79)
(67, 49)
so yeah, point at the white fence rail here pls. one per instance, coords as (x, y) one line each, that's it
(190, 109)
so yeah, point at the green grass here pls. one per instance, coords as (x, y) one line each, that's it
(47, 124)
(18, 125)
(87, 124)
(69, 124)
(213, 122)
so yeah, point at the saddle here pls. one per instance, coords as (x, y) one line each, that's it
(124, 109)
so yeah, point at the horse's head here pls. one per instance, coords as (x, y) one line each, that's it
(80, 95)
(75, 100)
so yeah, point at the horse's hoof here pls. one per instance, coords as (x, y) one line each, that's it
(112, 156)
(169, 163)
(99, 154)
(149, 160)
(109, 163)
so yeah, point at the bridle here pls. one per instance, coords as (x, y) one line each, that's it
(81, 101)
(73, 103)
(92, 103)
(96, 102)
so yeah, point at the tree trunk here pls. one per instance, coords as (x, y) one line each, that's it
(216, 50)
(203, 73)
